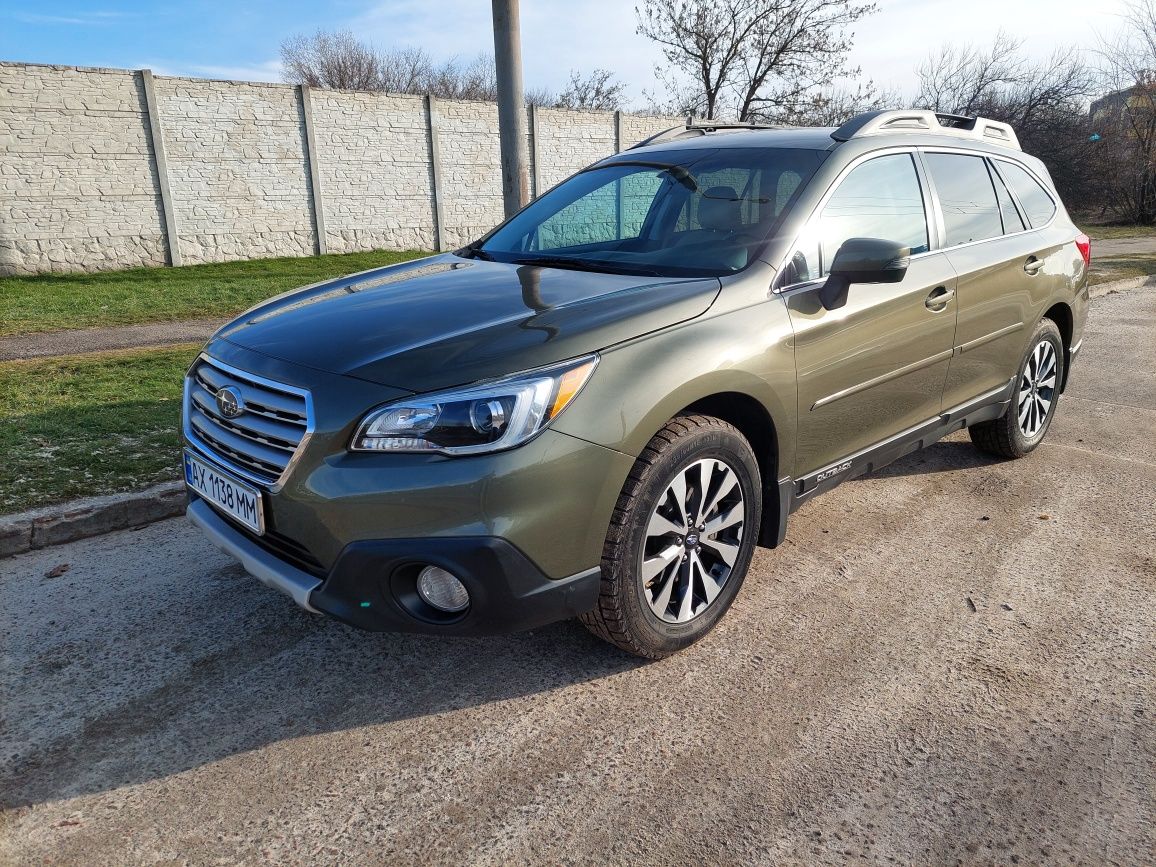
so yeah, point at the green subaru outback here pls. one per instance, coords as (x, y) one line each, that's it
(600, 408)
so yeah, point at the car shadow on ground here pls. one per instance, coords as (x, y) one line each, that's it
(240, 668)
(209, 663)
(945, 456)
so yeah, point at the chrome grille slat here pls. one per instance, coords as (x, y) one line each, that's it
(262, 441)
(241, 432)
(255, 408)
(289, 404)
(277, 434)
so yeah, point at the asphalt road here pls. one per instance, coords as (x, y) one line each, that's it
(952, 659)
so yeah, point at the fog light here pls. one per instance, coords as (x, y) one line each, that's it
(443, 591)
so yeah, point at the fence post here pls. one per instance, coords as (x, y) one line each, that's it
(314, 170)
(161, 165)
(435, 156)
(618, 132)
(535, 174)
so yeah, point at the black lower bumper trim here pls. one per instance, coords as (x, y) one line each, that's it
(373, 586)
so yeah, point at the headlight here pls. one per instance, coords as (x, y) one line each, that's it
(487, 417)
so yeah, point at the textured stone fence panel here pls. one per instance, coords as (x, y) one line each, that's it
(112, 168)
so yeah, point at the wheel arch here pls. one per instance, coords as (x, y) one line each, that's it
(1061, 314)
(755, 423)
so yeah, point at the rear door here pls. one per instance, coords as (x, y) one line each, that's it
(1002, 268)
(876, 366)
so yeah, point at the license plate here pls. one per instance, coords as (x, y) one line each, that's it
(239, 501)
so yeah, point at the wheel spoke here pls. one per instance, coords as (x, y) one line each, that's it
(727, 519)
(728, 483)
(1025, 412)
(726, 551)
(686, 607)
(710, 587)
(661, 602)
(660, 525)
(705, 469)
(677, 490)
(1048, 368)
(1048, 382)
(653, 566)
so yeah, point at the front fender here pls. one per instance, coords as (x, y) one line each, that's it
(640, 385)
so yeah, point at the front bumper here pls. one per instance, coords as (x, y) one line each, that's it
(372, 583)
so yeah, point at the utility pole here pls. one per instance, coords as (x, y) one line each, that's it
(511, 105)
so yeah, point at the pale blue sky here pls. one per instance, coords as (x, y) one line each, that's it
(240, 39)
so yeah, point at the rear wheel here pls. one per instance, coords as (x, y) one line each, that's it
(681, 538)
(1037, 391)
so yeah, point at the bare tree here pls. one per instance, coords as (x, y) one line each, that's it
(959, 78)
(837, 105)
(1125, 119)
(1045, 100)
(750, 58)
(334, 60)
(596, 91)
(341, 61)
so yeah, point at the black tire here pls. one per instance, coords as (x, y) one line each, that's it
(625, 615)
(1004, 436)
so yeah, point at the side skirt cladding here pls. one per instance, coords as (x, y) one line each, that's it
(987, 406)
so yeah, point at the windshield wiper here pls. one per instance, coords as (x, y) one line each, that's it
(585, 265)
(476, 252)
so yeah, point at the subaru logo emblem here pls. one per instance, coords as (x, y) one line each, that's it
(229, 401)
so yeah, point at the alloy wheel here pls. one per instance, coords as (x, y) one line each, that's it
(692, 540)
(1037, 389)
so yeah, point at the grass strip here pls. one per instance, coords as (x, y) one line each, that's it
(54, 302)
(85, 425)
(1121, 267)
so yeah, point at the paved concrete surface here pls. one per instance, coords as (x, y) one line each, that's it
(950, 660)
(102, 339)
(1123, 246)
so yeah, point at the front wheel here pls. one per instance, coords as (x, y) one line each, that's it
(1034, 400)
(681, 538)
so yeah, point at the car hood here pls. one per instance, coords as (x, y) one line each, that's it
(445, 320)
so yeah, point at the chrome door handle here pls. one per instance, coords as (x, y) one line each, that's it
(1033, 265)
(938, 298)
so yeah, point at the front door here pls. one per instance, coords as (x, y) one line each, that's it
(876, 366)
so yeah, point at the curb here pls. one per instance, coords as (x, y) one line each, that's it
(67, 522)
(1101, 289)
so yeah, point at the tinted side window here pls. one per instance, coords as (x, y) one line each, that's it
(879, 199)
(1037, 204)
(966, 197)
(1012, 221)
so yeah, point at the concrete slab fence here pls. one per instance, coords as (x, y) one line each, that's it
(114, 168)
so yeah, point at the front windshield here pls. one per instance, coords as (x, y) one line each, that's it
(685, 213)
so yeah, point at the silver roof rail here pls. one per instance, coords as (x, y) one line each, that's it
(697, 128)
(930, 122)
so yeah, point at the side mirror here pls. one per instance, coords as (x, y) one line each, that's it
(863, 260)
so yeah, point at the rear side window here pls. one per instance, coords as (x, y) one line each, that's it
(1012, 221)
(1034, 199)
(966, 197)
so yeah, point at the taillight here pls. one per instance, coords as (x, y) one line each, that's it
(1084, 244)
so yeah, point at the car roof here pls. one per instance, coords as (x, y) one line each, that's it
(806, 138)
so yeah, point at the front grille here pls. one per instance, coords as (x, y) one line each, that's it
(262, 440)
